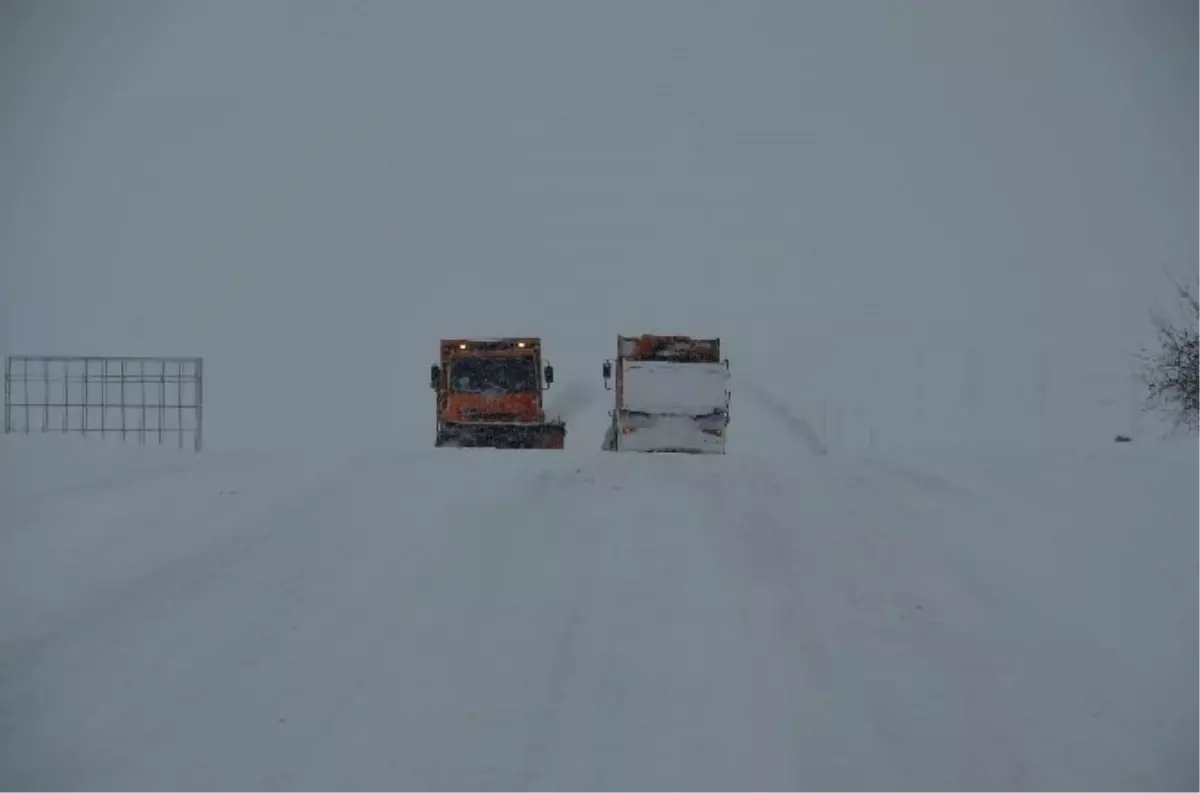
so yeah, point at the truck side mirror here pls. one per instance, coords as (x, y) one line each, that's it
(435, 376)
(607, 371)
(549, 374)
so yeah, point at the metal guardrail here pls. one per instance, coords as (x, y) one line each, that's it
(155, 398)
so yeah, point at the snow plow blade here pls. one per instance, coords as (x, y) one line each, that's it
(502, 436)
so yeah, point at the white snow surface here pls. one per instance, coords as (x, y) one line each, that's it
(691, 389)
(452, 619)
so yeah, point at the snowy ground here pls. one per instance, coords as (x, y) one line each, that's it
(776, 618)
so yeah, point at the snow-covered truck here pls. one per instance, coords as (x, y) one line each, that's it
(671, 394)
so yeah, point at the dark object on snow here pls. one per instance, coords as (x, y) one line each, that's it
(1122, 439)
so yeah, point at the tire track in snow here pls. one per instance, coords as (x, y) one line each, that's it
(132, 619)
(811, 593)
(547, 715)
(129, 601)
(926, 618)
(515, 626)
(320, 573)
(598, 630)
(676, 680)
(789, 421)
(1032, 714)
(925, 482)
(883, 634)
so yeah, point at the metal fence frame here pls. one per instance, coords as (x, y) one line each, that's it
(129, 374)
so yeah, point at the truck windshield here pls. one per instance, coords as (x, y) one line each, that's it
(471, 375)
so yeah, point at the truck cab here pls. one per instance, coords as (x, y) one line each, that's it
(489, 394)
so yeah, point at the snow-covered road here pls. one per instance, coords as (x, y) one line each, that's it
(479, 620)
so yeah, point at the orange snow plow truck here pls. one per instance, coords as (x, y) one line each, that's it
(671, 395)
(489, 394)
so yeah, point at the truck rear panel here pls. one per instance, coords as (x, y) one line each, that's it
(671, 395)
(691, 389)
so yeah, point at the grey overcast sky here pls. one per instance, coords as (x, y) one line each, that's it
(852, 193)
